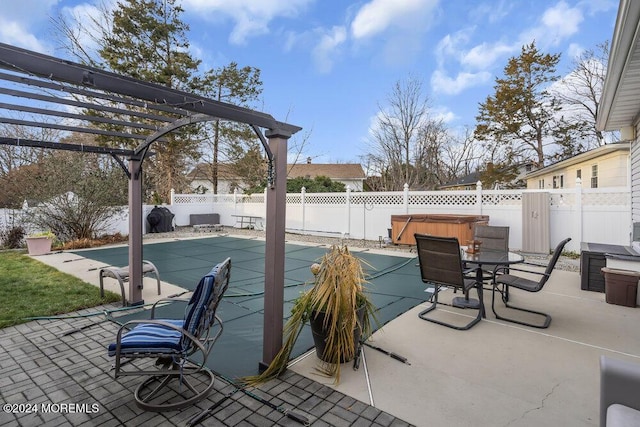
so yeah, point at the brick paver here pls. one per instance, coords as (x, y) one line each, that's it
(52, 364)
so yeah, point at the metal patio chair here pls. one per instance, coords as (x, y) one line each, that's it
(441, 266)
(176, 349)
(492, 238)
(502, 283)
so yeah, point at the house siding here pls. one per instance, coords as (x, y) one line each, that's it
(612, 172)
(635, 176)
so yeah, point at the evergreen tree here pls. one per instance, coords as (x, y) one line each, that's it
(229, 141)
(148, 41)
(522, 120)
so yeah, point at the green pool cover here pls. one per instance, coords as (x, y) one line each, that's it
(394, 287)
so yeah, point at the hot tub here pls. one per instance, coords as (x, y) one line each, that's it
(403, 227)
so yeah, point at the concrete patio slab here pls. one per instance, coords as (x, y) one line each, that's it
(498, 373)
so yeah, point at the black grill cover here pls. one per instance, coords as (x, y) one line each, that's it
(160, 220)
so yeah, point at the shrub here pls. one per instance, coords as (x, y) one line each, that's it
(12, 238)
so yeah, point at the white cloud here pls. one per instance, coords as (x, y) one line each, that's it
(326, 50)
(88, 20)
(444, 114)
(14, 33)
(485, 55)
(251, 17)
(27, 11)
(493, 12)
(594, 7)
(557, 23)
(379, 15)
(449, 45)
(442, 83)
(562, 19)
(574, 50)
(18, 20)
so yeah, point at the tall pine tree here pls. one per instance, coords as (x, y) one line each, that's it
(231, 142)
(522, 121)
(148, 41)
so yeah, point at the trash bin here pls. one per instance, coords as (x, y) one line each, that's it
(620, 286)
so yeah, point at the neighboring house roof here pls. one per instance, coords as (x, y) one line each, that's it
(331, 170)
(202, 171)
(335, 171)
(583, 157)
(473, 178)
(470, 179)
(620, 103)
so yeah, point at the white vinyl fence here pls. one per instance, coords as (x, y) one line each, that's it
(585, 215)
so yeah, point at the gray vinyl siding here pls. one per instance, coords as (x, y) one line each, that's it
(635, 177)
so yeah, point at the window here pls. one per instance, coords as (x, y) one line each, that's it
(541, 183)
(579, 173)
(594, 176)
(558, 181)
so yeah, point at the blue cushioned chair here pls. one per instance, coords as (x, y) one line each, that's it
(178, 348)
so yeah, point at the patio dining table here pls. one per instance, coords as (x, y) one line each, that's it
(484, 257)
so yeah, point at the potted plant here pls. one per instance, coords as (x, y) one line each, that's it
(339, 312)
(40, 243)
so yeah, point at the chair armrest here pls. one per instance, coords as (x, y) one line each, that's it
(164, 301)
(511, 268)
(533, 264)
(619, 383)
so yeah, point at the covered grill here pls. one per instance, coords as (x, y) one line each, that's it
(160, 220)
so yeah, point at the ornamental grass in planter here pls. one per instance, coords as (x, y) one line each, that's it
(338, 301)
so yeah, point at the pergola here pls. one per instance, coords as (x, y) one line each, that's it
(57, 94)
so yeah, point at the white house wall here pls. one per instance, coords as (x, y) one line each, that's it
(612, 172)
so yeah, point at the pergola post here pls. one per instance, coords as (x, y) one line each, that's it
(135, 232)
(274, 248)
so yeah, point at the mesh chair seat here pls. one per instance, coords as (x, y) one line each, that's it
(502, 283)
(492, 237)
(519, 282)
(441, 267)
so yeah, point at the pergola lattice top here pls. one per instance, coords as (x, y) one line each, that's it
(57, 94)
(59, 87)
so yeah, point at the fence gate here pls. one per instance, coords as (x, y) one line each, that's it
(535, 222)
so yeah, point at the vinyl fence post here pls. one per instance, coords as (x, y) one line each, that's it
(235, 200)
(478, 198)
(264, 204)
(579, 215)
(303, 193)
(406, 198)
(348, 203)
(173, 197)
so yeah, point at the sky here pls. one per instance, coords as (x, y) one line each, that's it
(329, 66)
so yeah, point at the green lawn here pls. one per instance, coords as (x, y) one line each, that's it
(29, 288)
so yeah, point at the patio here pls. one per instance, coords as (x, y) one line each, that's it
(494, 374)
